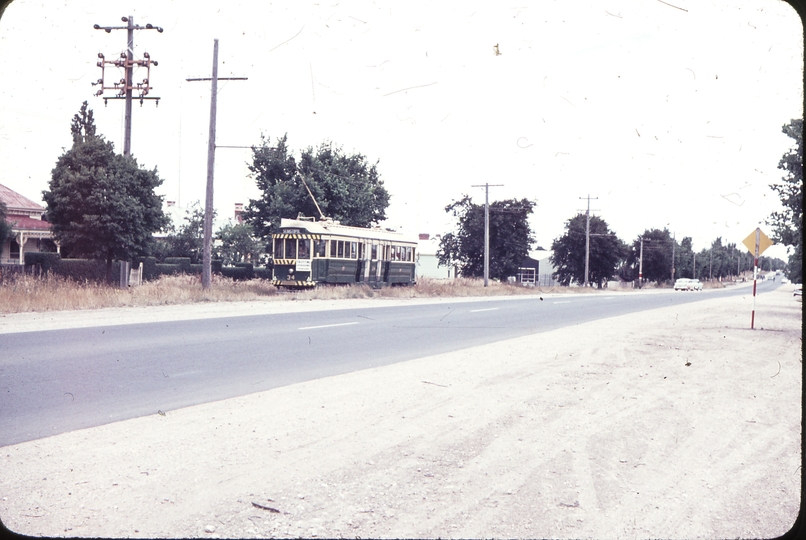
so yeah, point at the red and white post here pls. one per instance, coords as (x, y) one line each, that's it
(755, 276)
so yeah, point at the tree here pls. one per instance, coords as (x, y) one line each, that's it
(102, 205)
(5, 227)
(346, 187)
(788, 223)
(186, 240)
(238, 243)
(607, 252)
(510, 237)
(657, 259)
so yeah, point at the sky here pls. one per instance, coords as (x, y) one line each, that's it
(667, 114)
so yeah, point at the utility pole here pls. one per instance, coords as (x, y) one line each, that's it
(126, 86)
(587, 238)
(208, 202)
(487, 229)
(694, 270)
(673, 246)
(711, 265)
(641, 263)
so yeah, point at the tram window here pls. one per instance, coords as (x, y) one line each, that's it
(353, 249)
(340, 252)
(278, 248)
(319, 248)
(361, 250)
(374, 252)
(408, 253)
(290, 248)
(397, 253)
(305, 249)
(413, 254)
(333, 248)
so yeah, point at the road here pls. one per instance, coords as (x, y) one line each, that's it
(61, 380)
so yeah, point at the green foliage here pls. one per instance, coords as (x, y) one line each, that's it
(238, 243)
(187, 240)
(607, 252)
(47, 262)
(102, 205)
(510, 237)
(657, 255)
(5, 227)
(788, 223)
(346, 187)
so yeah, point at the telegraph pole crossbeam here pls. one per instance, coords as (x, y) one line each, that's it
(126, 86)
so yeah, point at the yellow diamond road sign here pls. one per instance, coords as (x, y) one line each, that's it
(757, 240)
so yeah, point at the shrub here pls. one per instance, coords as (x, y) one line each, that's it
(45, 262)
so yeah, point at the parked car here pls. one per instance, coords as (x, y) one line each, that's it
(695, 285)
(799, 294)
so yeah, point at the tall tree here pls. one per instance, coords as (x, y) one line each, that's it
(102, 205)
(510, 237)
(788, 223)
(657, 255)
(346, 186)
(607, 252)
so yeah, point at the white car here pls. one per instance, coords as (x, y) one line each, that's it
(685, 284)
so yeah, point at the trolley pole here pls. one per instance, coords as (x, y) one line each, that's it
(125, 87)
(208, 201)
(487, 229)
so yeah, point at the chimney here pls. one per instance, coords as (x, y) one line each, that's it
(425, 236)
(239, 212)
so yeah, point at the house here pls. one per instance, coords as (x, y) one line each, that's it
(536, 270)
(29, 231)
(427, 262)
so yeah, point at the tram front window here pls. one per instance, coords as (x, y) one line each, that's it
(304, 249)
(278, 248)
(290, 248)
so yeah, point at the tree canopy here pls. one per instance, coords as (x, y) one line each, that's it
(788, 223)
(510, 237)
(346, 186)
(238, 243)
(5, 227)
(657, 255)
(607, 252)
(100, 204)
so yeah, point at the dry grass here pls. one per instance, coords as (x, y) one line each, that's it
(21, 293)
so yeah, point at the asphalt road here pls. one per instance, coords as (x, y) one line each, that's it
(61, 380)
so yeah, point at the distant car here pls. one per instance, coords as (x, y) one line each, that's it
(799, 293)
(784, 281)
(682, 284)
(695, 284)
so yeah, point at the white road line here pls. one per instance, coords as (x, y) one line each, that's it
(485, 309)
(563, 302)
(326, 326)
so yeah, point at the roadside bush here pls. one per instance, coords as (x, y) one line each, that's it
(44, 262)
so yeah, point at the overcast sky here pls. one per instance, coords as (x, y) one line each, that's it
(669, 113)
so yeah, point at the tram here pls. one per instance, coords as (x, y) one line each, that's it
(309, 253)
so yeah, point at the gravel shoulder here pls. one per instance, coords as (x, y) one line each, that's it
(679, 422)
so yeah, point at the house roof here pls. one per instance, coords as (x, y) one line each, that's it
(27, 223)
(16, 202)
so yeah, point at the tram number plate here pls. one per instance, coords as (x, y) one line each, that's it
(303, 266)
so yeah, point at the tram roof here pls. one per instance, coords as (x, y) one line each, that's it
(331, 227)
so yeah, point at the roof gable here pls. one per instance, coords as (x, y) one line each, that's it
(16, 202)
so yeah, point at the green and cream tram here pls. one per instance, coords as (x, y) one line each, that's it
(308, 252)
